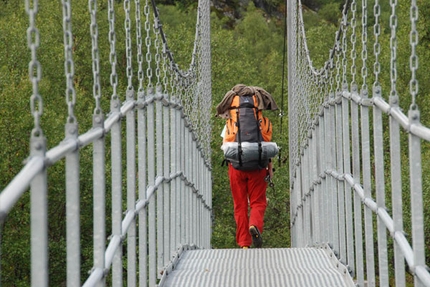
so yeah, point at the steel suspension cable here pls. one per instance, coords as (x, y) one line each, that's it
(140, 73)
(364, 55)
(413, 61)
(353, 44)
(95, 57)
(68, 63)
(35, 69)
(112, 54)
(127, 28)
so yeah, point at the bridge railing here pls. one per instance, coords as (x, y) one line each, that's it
(168, 211)
(151, 176)
(358, 176)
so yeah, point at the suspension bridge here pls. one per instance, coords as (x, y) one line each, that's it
(150, 153)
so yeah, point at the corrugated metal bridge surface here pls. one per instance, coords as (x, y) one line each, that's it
(285, 267)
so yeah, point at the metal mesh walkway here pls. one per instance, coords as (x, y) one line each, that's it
(285, 267)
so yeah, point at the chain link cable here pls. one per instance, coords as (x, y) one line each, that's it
(112, 54)
(344, 48)
(413, 84)
(393, 48)
(338, 61)
(364, 47)
(325, 89)
(92, 5)
(157, 43)
(321, 84)
(377, 45)
(68, 62)
(318, 79)
(173, 82)
(127, 27)
(34, 68)
(140, 73)
(353, 43)
(165, 71)
(148, 44)
(198, 53)
(308, 102)
(206, 63)
(186, 100)
(330, 73)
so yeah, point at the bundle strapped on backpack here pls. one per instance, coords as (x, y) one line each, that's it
(247, 140)
(251, 154)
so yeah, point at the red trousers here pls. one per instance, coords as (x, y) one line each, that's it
(249, 191)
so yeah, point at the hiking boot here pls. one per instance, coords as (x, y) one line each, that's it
(256, 236)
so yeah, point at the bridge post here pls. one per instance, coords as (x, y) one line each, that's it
(99, 198)
(73, 210)
(39, 215)
(116, 193)
(142, 186)
(356, 171)
(131, 187)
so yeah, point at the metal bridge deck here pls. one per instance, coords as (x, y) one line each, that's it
(285, 267)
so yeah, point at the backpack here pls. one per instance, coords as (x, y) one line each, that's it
(247, 140)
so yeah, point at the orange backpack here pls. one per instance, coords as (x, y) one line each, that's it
(246, 124)
(251, 124)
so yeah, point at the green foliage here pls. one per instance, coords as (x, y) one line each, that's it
(14, 142)
(331, 13)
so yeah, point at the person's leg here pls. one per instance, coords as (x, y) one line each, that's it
(240, 199)
(257, 198)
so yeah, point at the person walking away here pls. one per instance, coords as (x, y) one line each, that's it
(248, 151)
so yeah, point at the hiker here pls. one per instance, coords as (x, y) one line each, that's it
(248, 151)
